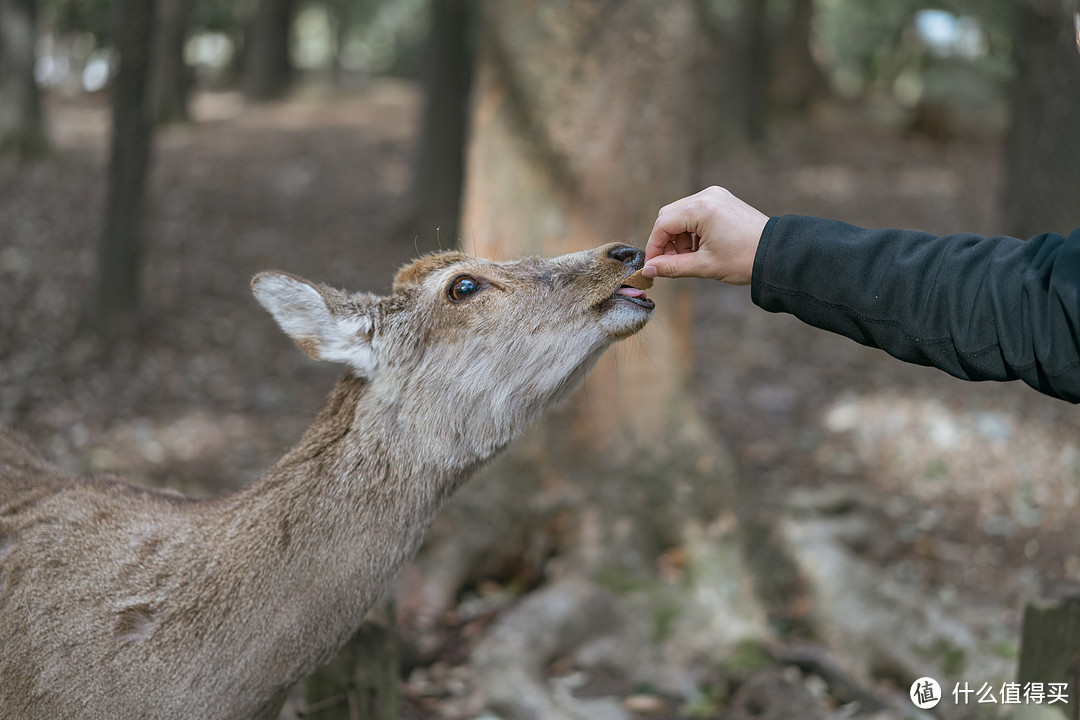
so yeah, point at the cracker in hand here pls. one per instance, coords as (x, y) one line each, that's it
(639, 281)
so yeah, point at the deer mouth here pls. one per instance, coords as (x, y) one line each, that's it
(634, 295)
(633, 290)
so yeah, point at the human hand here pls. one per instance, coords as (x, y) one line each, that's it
(711, 234)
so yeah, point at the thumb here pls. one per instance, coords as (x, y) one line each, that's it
(676, 266)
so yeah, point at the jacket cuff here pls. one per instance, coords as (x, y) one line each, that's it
(756, 275)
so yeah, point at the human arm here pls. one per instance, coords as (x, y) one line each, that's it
(994, 308)
(979, 308)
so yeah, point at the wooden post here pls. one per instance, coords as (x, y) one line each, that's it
(361, 682)
(1050, 644)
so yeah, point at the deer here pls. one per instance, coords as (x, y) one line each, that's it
(124, 602)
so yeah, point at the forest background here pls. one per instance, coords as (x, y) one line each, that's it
(738, 516)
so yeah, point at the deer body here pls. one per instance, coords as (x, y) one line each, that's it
(119, 602)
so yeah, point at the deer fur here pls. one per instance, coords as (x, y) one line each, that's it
(122, 602)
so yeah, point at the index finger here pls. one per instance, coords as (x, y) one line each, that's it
(677, 227)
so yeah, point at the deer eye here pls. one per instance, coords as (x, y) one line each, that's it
(463, 287)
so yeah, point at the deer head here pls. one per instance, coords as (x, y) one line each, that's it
(469, 348)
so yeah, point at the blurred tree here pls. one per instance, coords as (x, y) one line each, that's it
(266, 68)
(752, 69)
(797, 80)
(581, 129)
(341, 17)
(344, 16)
(116, 282)
(446, 77)
(80, 16)
(171, 78)
(22, 130)
(760, 63)
(1042, 147)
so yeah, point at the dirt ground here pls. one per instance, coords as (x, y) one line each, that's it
(977, 484)
(972, 486)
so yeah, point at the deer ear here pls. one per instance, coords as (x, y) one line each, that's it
(326, 324)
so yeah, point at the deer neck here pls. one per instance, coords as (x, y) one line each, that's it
(331, 523)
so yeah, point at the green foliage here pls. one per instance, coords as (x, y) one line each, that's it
(391, 39)
(620, 580)
(216, 15)
(78, 16)
(381, 36)
(93, 17)
(708, 703)
(872, 48)
(953, 659)
(1007, 649)
(871, 43)
(747, 657)
(666, 611)
(861, 39)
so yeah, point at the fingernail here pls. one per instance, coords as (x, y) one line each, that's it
(649, 271)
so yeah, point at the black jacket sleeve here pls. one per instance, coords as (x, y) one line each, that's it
(979, 308)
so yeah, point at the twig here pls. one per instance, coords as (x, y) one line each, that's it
(324, 704)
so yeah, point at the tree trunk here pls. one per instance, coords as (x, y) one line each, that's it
(22, 132)
(116, 286)
(172, 81)
(582, 119)
(797, 81)
(267, 66)
(340, 22)
(440, 164)
(1050, 643)
(1042, 147)
(753, 70)
(581, 131)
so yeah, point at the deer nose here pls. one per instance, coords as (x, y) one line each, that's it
(627, 255)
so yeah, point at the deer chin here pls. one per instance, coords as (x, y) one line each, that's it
(625, 312)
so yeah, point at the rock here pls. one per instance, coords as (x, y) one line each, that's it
(549, 623)
(774, 695)
(879, 622)
(642, 704)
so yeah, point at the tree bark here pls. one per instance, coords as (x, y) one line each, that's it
(797, 81)
(1050, 643)
(22, 131)
(115, 301)
(267, 66)
(1042, 147)
(341, 21)
(440, 163)
(172, 81)
(753, 69)
(581, 129)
